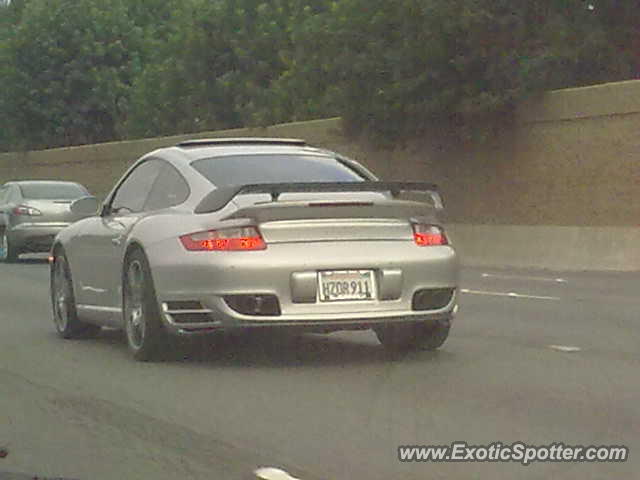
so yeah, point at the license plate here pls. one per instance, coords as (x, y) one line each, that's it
(341, 285)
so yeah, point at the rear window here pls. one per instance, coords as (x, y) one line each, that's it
(248, 169)
(52, 191)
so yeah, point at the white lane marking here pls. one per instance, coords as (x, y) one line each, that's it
(507, 294)
(523, 277)
(87, 288)
(565, 348)
(272, 473)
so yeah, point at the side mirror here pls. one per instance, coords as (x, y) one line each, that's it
(85, 206)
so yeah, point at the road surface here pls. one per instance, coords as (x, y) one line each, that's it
(330, 407)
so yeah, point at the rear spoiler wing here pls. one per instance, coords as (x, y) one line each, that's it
(220, 197)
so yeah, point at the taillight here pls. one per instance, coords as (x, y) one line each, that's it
(429, 235)
(25, 210)
(243, 238)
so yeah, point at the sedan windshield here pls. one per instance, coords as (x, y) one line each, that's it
(270, 168)
(52, 191)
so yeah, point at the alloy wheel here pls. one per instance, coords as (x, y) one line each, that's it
(3, 247)
(134, 308)
(61, 295)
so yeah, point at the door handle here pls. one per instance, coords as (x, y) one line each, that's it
(116, 241)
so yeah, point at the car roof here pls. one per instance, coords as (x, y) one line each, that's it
(241, 141)
(41, 182)
(192, 150)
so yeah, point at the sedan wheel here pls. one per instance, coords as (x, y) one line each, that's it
(65, 316)
(8, 253)
(146, 337)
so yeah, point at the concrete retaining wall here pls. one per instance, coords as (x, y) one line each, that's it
(560, 188)
(99, 166)
(548, 247)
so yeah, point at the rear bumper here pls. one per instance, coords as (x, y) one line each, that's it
(35, 237)
(202, 279)
(314, 326)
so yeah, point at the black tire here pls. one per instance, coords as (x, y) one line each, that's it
(414, 336)
(8, 251)
(65, 315)
(146, 337)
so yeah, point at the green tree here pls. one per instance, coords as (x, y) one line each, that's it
(302, 88)
(83, 71)
(409, 66)
(157, 21)
(394, 68)
(180, 89)
(70, 65)
(220, 68)
(588, 42)
(9, 18)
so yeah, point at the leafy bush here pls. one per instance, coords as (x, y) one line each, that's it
(68, 68)
(401, 68)
(84, 71)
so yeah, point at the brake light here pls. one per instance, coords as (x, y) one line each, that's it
(25, 210)
(429, 235)
(229, 239)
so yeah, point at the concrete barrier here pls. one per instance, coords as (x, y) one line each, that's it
(607, 99)
(560, 190)
(548, 247)
(99, 166)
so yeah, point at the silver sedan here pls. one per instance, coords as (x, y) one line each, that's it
(227, 234)
(33, 212)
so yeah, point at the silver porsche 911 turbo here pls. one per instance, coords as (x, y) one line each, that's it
(223, 234)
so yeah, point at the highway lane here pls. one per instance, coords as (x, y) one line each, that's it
(333, 407)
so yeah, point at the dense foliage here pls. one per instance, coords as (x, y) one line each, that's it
(84, 71)
(68, 69)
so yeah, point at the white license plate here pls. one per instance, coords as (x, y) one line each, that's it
(341, 285)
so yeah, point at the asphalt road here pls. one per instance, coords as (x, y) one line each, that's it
(333, 407)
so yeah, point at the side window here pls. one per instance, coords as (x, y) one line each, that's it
(169, 190)
(13, 195)
(4, 195)
(133, 192)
